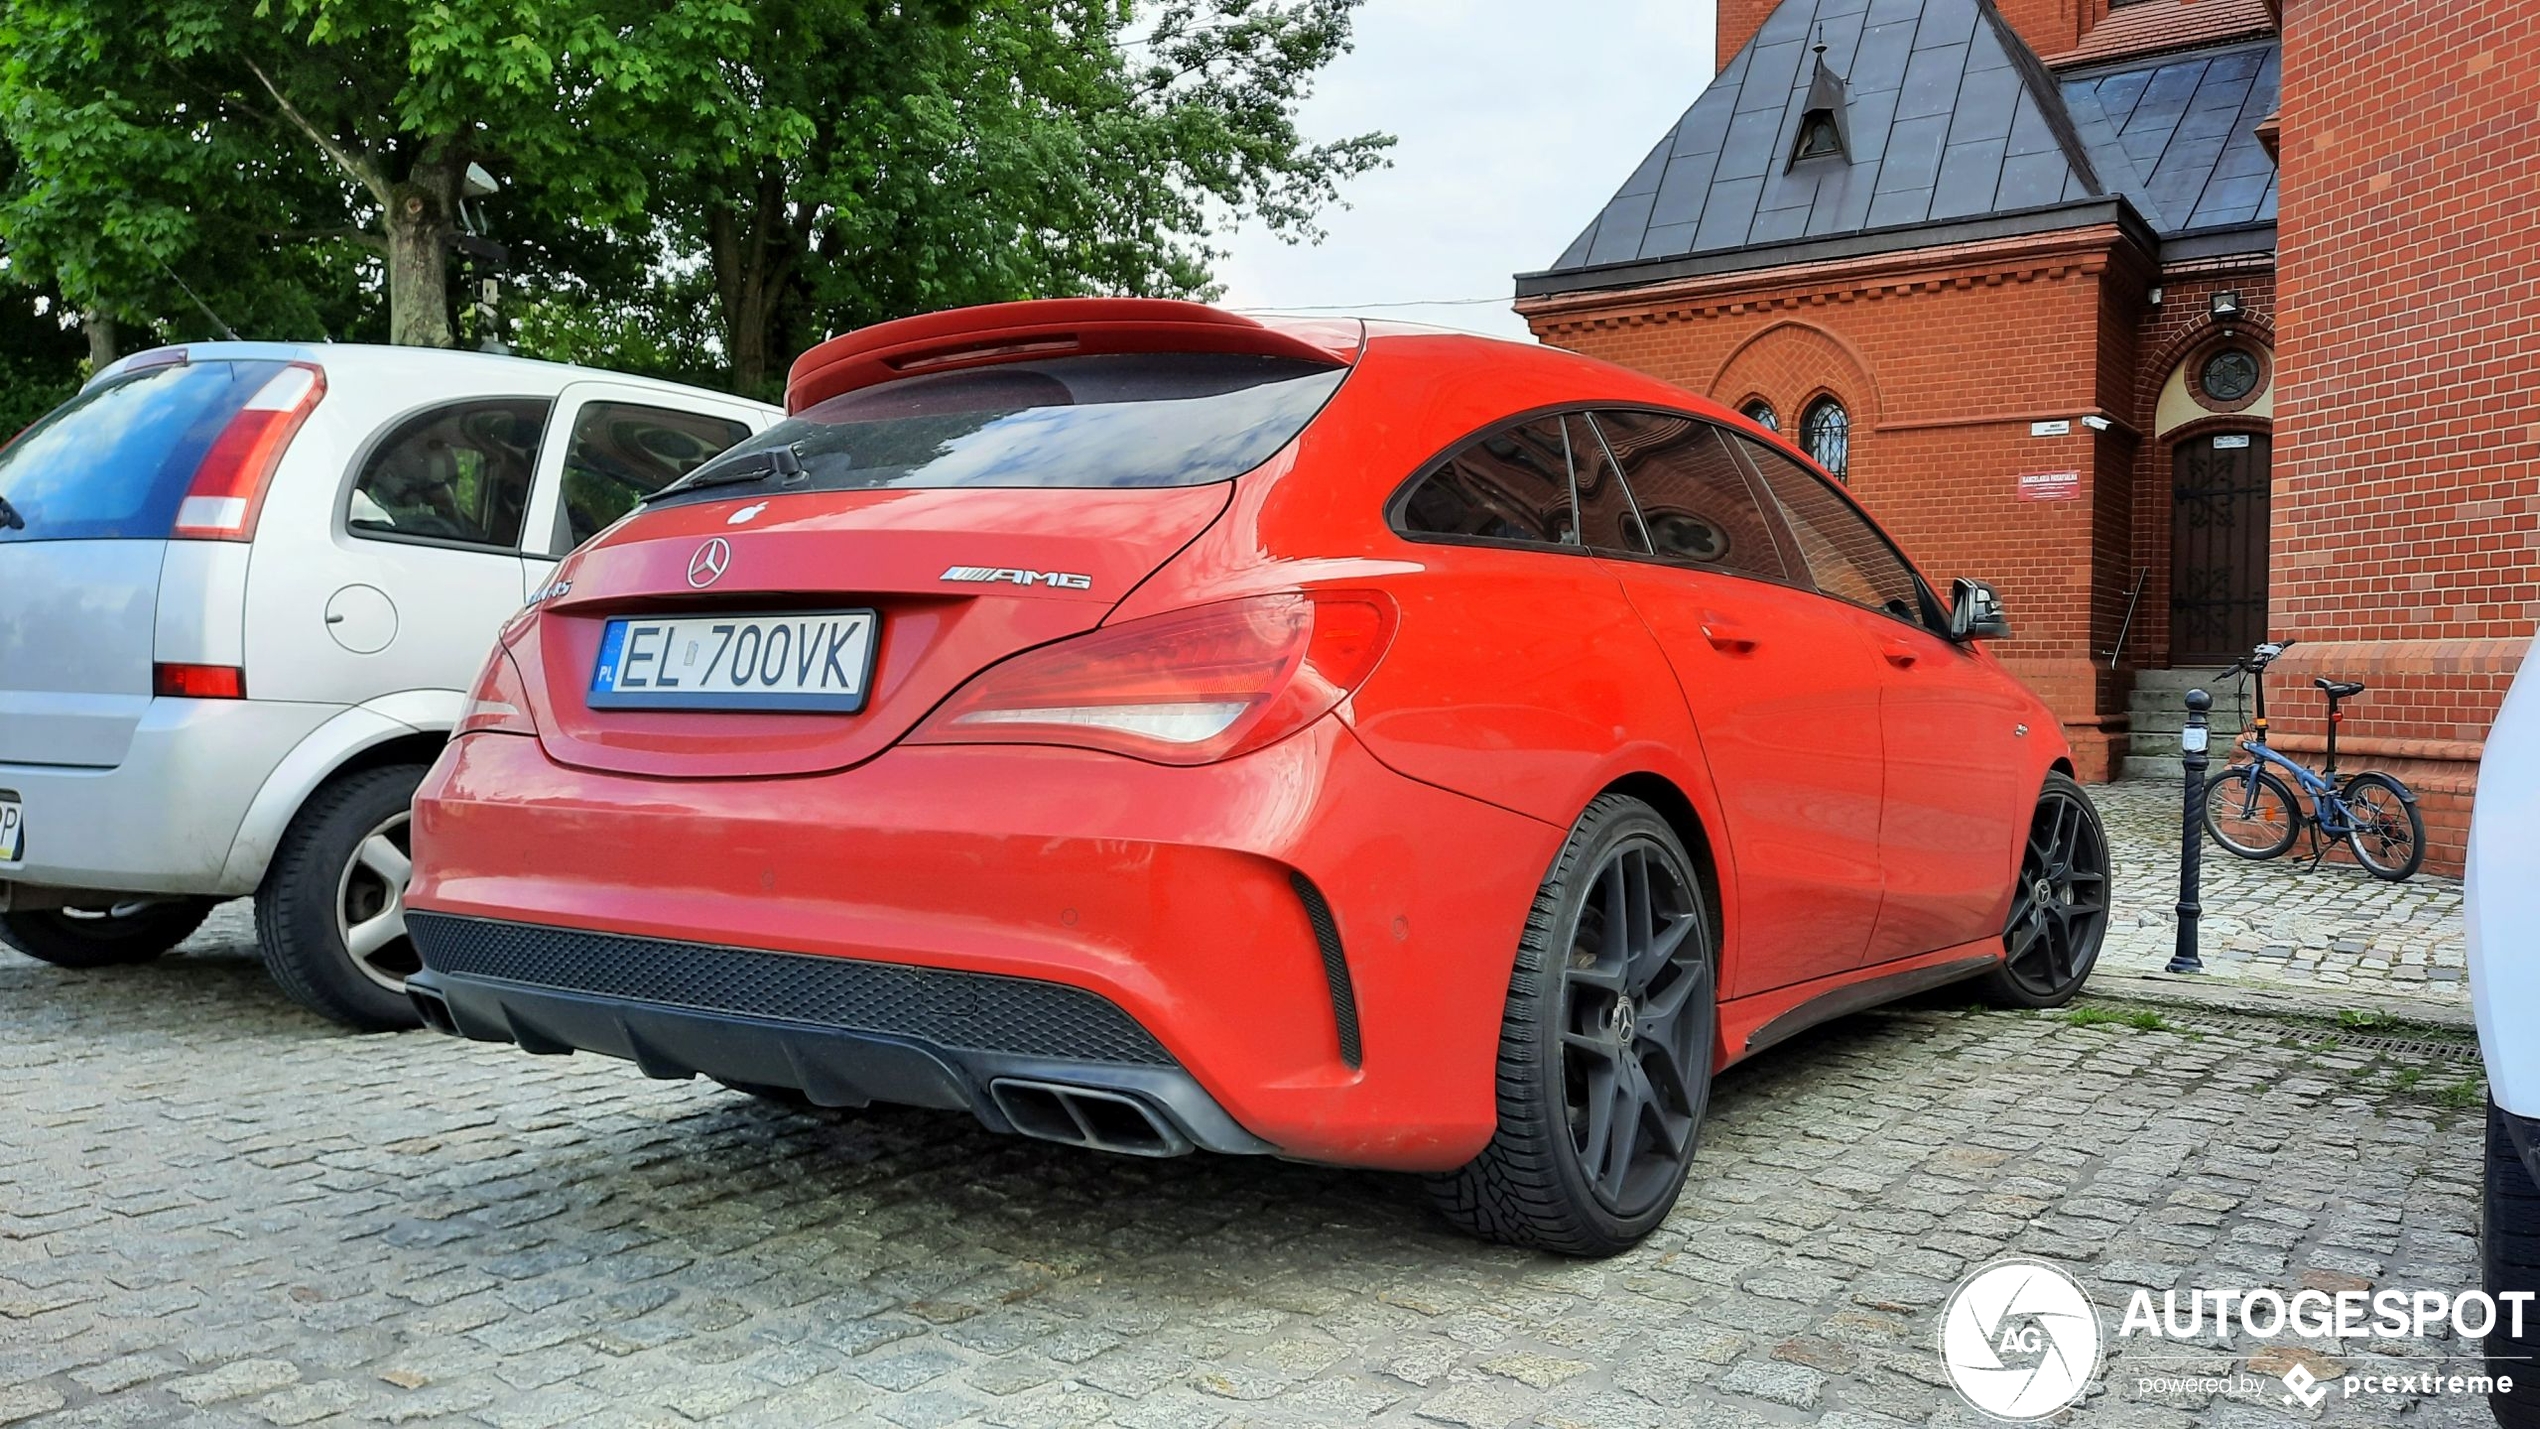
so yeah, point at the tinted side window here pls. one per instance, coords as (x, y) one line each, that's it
(1696, 502)
(1512, 485)
(622, 453)
(1607, 520)
(455, 473)
(1846, 555)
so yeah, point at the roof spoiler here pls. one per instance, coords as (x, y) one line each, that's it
(1053, 327)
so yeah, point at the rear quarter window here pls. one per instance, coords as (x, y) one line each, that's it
(114, 462)
(1509, 487)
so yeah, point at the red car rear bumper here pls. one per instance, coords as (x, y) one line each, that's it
(1182, 897)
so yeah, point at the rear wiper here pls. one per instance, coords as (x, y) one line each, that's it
(755, 466)
(10, 520)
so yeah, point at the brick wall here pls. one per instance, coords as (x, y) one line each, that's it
(2407, 499)
(1943, 358)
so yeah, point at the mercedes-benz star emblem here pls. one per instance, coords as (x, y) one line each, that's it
(709, 563)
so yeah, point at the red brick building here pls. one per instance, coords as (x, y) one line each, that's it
(2029, 275)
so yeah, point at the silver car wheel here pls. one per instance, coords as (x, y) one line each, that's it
(370, 904)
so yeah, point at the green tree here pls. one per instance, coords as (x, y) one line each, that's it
(349, 124)
(851, 165)
(760, 172)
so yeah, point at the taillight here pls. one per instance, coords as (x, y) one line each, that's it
(500, 702)
(229, 486)
(1192, 687)
(198, 682)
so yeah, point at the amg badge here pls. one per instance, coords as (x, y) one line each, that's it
(1055, 580)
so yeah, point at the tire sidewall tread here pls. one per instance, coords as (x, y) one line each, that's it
(295, 906)
(1997, 986)
(1526, 1187)
(157, 929)
(2509, 1252)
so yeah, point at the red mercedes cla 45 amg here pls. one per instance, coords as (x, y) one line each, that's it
(1153, 729)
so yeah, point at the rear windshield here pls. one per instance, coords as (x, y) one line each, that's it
(115, 460)
(1124, 420)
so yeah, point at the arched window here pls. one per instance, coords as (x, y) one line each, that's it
(1761, 413)
(1825, 434)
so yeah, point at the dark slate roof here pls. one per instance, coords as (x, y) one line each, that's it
(2178, 135)
(1951, 119)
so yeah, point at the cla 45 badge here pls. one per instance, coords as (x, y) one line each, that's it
(1055, 580)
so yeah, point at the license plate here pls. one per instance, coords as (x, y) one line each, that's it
(820, 660)
(12, 831)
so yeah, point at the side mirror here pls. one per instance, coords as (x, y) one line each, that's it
(1975, 613)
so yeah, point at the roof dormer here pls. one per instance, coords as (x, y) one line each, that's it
(1823, 131)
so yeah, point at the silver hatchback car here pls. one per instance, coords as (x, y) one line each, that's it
(244, 588)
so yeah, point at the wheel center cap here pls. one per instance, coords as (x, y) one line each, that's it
(2044, 893)
(1623, 1018)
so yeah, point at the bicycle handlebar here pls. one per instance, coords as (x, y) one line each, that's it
(2260, 658)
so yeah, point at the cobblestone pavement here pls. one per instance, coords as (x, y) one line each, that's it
(215, 1210)
(2333, 928)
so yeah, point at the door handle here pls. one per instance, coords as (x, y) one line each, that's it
(1726, 634)
(1899, 654)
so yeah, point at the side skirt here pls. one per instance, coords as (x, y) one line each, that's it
(1751, 1024)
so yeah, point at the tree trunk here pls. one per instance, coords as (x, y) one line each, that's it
(418, 230)
(753, 259)
(103, 340)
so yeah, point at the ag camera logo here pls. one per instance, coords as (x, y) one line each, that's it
(2020, 1340)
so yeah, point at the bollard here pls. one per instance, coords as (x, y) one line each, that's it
(2192, 742)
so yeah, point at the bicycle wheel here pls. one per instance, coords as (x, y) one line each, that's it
(2389, 833)
(2251, 812)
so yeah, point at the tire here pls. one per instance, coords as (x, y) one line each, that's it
(1540, 1183)
(2059, 909)
(2389, 834)
(2509, 1243)
(2228, 807)
(101, 938)
(327, 863)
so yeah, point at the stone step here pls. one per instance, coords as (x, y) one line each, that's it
(2170, 719)
(2179, 681)
(2150, 766)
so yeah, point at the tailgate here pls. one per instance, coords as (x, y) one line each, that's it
(957, 579)
(77, 622)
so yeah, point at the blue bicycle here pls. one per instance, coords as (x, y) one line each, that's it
(2251, 811)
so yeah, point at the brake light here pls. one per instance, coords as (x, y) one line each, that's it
(198, 682)
(229, 485)
(1192, 687)
(500, 702)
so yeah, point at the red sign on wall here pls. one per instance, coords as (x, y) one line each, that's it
(2050, 485)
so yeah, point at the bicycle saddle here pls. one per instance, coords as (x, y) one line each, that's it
(2340, 689)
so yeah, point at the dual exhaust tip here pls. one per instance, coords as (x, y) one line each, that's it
(1087, 1116)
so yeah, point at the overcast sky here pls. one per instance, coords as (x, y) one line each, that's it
(1517, 119)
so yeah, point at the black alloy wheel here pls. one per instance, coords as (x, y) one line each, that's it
(2059, 910)
(1605, 1048)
